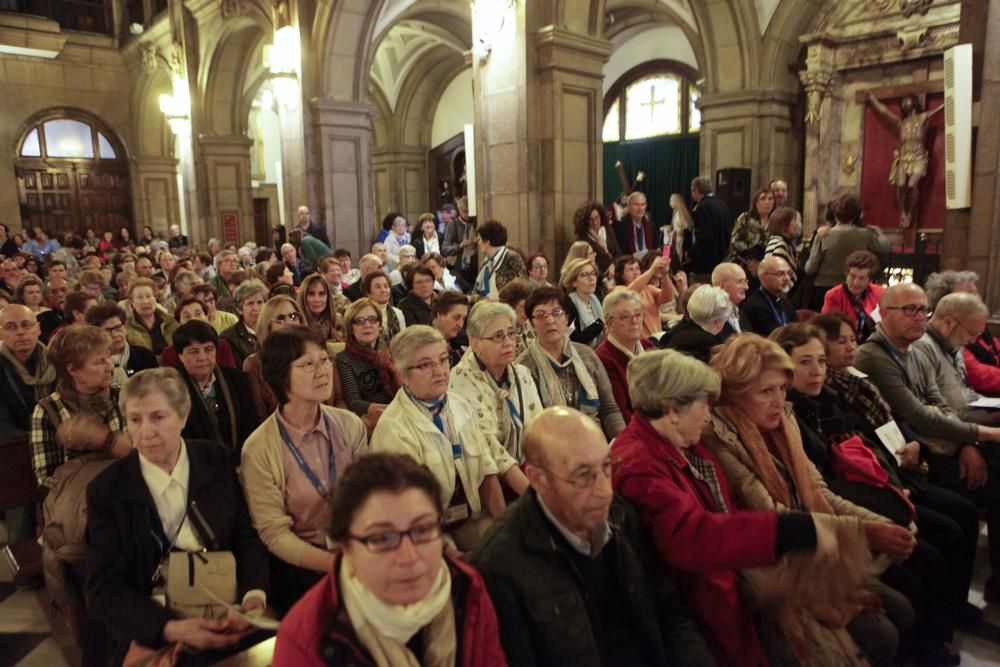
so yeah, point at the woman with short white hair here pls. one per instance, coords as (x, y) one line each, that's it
(441, 429)
(623, 314)
(708, 309)
(503, 392)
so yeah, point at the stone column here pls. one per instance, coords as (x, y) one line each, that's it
(538, 127)
(817, 80)
(223, 168)
(400, 181)
(342, 140)
(154, 193)
(293, 164)
(984, 230)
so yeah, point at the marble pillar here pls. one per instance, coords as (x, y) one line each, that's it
(342, 142)
(224, 185)
(400, 181)
(154, 193)
(984, 228)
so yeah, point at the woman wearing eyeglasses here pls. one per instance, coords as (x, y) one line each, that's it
(441, 429)
(579, 279)
(292, 463)
(364, 366)
(391, 596)
(624, 343)
(279, 312)
(504, 392)
(566, 372)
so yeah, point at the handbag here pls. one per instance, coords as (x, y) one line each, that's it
(189, 573)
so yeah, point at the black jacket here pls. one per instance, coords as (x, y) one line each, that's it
(204, 424)
(139, 359)
(538, 592)
(418, 244)
(415, 311)
(241, 341)
(713, 225)
(124, 538)
(757, 313)
(585, 336)
(691, 339)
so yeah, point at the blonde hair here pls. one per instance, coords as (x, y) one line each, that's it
(742, 359)
(572, 269)
(352, 311)
(663, 379)
(578, 250)
(267, 314)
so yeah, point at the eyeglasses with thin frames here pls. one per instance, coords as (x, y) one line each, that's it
(500, 337)
(429, 365)
(554, 314)
(587, 478)
(313, 364)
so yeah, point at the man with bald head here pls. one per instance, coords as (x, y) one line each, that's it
(369, 263)
(769, 308)
(962, 456)
(733, 280)
(25, 373)
(569, 568)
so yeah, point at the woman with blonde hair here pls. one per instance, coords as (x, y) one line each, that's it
(682, 228)
(579, 280)
(755, 436)
(319, 307)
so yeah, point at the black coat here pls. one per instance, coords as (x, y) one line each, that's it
(203, 424)
(124, 538)
(418, 244)
(415, 310)
(241, 341)
(139, 359)
(691, 339)
(585, 336)
(713, 225)
(757, 313)
(540, 600)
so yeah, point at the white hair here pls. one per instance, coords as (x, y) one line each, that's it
(709, 304)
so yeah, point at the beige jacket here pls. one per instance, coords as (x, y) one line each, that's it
(262, 474)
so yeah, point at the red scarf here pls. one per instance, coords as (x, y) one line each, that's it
(378, 357)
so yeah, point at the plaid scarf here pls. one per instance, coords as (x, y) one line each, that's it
(379, 357)
(861, 394)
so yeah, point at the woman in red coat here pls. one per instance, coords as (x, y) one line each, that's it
(391, 598)
(678, 487)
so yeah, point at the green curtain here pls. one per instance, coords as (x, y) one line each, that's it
(670, 163)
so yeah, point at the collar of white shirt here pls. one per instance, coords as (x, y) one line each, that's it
(157, 479)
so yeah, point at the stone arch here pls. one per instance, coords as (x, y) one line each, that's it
(624, 15)
(223, 79)
(731, 37)
(342, 33)
(152, 137)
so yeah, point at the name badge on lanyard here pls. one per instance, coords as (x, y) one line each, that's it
(314, 479)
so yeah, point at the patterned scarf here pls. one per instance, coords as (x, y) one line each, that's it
(392, 324)
(866, 324)
(861, 394)
(378, 357)
(788, 449)
(44, 375)
(96, 404)
(549, 384)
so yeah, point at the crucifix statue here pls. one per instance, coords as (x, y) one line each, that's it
(909, 161)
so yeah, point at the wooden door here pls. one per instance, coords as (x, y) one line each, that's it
(74, 197)
(104, 199)
(48, 198)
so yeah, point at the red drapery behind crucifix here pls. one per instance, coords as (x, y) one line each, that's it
(878, 196)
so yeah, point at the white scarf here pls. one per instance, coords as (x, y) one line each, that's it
(549, 385)
(629, 354)
(397, 622)
(120, 362)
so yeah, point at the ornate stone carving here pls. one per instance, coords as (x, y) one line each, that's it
(911, 38)
(816, 83)
(850, 161)
(177, 59)
(149, 58)
(230, 8)
(906, 7)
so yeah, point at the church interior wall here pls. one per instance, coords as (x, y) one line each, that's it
(454, 109)
(644, 43)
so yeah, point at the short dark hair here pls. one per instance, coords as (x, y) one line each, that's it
(831, 322)
(796, 335)
(620, 265)
(392, 473)
(56, 262)
(76, 302)
(341, 252)
(102, 312)
(493, 232)
(280, 349)
(532, 257)
(515, 292)
(184, 303)
(781, 220)
(848, 209)
(544, 295)
(263, 255)
(447, 300)
(863, 259)
(274, 272)
(411, 271)
(389, 219)
(366, 282)
(193, 332)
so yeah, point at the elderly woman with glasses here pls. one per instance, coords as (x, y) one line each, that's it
(685, 500)
(566, 372)
(579, 278)
(242, 336)
(293, 462)
(392, 597)
(708, 310)
(279, 312)
(624, 311)
(364, 365)
(503, 392)
(441, 429)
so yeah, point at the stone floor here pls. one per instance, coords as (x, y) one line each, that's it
(32, 637)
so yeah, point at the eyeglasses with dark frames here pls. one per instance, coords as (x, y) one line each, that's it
(389, 540)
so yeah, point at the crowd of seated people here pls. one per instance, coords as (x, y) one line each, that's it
(442, 457)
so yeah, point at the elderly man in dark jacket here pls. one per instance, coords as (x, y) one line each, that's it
(572, 575)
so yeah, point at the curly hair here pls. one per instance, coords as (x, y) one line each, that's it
(581, 219)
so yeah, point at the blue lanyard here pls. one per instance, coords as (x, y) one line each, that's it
(781, 317)
(436, 417)
(320, 487)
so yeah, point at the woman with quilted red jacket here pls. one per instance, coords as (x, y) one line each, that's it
(391, 597)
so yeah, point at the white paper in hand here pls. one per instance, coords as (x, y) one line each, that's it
(262, 622)
(892, 438)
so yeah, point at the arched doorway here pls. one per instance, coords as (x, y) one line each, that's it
(72, 173)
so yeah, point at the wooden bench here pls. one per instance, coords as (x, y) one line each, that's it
(18, 487)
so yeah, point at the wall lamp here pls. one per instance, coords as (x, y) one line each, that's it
(177, 107)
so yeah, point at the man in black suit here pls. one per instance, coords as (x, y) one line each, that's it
(713, 225)
(769, 308)
(221, 401)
